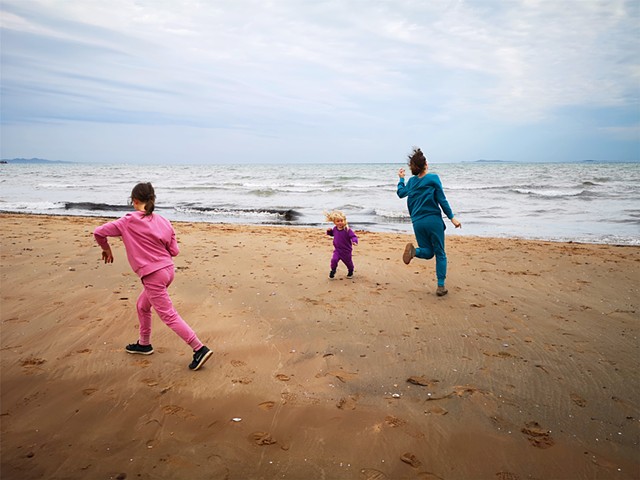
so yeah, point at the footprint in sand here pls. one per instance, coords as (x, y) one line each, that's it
(538, 436)
(268, 405)
(460, 391)
(466, 390)
(507, 476)
(372, 474)
(312, 301)
(178, 411)
(17, 320)
(261, 438)
(143, 363)
(436, 411)
(32, 364)
(578, 400)
(410, 459)
(242, 381)
(499, 354)
(394, 421)
(422, 381)
(32, 361)
(348, 403)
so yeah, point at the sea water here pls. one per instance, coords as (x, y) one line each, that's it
(581, 202)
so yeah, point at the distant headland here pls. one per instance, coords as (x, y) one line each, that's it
(30, 160)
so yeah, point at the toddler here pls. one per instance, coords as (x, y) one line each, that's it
(343, 240)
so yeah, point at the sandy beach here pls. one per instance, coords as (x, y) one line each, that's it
(527, 369)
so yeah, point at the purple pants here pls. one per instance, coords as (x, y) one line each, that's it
(155, 295)
(346, 259)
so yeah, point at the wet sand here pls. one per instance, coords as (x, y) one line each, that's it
(527, 369)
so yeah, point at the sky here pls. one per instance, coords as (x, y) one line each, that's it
(322, 81)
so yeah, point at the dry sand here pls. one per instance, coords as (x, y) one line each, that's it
(528, 369)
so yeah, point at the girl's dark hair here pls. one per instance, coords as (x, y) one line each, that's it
(144, 192)
(417, 161)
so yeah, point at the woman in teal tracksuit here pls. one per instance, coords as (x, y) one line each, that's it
(425, 199)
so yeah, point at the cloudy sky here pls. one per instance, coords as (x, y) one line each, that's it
(282, 81)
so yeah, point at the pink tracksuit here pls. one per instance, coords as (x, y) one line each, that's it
(151, 243)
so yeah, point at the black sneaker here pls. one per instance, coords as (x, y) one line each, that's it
(200, 357)
(332, 273)
(141, 349)
(350, 274)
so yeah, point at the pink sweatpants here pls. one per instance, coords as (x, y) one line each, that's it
(155, 295)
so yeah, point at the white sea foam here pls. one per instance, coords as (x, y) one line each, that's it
(30, 206)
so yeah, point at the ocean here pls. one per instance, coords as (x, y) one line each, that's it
(579, 202)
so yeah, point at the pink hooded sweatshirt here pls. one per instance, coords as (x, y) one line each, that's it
(150, 240)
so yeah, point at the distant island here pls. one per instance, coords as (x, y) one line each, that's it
(30, 160)
(492, 161)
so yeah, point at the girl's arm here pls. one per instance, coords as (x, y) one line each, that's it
(402, 191)
(173, 248)
(444, 204)
(111, 229)
(353, 236)
(330, 232)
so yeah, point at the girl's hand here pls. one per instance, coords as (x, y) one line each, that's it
(456, 222)
(401, 173)
(107, 256)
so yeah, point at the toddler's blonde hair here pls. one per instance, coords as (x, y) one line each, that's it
(336, 215)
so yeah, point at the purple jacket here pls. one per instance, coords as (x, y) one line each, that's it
(342, 239)
(150, 241)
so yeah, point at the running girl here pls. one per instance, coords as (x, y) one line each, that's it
(150, 242)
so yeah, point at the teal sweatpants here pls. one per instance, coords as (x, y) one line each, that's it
(429, 233)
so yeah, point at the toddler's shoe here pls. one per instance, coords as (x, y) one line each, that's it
(441, 291)
(200, 357)
(409, 253)
(141, 349)
(350, 274)
(332, 273)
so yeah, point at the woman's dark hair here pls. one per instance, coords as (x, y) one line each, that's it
(144, 192)
(417, 161)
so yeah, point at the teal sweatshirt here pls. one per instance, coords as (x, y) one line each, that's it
(426, 197)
